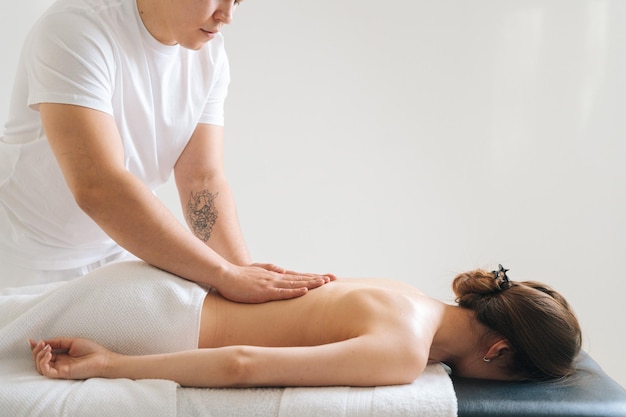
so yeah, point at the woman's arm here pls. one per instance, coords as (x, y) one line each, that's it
(368, 360)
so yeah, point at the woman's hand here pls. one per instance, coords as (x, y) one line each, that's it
(70, 358)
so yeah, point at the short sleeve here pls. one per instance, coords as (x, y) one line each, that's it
(214, 108)
(69, 60)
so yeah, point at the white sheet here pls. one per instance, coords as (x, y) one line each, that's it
(121, 307)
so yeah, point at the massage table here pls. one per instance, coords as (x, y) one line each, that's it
(589, 392)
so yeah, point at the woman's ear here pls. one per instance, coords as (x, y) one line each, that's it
(498, 350)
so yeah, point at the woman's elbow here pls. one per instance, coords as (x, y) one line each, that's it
(238, 367)
(410, 367)
(398, 368)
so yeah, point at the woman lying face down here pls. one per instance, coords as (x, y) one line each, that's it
(356, 332)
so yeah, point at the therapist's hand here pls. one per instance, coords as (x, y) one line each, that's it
(258, 283)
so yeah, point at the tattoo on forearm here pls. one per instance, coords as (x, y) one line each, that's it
(202, 213)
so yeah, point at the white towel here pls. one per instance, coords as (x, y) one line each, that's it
(120, 307)
(431, 395)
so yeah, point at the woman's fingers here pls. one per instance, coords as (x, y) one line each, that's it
(60, 343)
(44, 358)
(36, 350)
(43, 355)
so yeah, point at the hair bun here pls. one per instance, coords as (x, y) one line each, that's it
(541, 328)
(471, 287)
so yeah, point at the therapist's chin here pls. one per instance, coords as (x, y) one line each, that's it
(195, 44)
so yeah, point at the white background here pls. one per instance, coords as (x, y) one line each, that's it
(417, 139)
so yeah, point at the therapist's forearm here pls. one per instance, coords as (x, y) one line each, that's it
(211, 214)
(132, 216)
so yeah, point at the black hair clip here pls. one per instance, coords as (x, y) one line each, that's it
(501, 278)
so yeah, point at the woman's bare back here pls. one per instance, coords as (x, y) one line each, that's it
(337, 311)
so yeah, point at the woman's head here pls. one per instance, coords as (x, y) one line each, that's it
(541, 329)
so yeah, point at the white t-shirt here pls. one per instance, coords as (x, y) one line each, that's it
(96, 54)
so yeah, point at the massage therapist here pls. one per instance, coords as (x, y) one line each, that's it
(110, 98)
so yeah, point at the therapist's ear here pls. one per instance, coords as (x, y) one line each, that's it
(499, 350)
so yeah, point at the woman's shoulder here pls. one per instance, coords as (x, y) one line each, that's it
(376, 300)
(389, 304)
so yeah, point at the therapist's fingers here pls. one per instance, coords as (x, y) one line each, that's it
(286, 286)
(303, 277)
(258, 284)
(295, 275)
(270, 267)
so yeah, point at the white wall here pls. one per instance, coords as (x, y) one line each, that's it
(416, 139)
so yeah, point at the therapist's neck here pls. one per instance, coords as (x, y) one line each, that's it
(154, 14)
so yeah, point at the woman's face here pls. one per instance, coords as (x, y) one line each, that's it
(193, 23)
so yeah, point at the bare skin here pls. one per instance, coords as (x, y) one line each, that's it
(352, 332)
